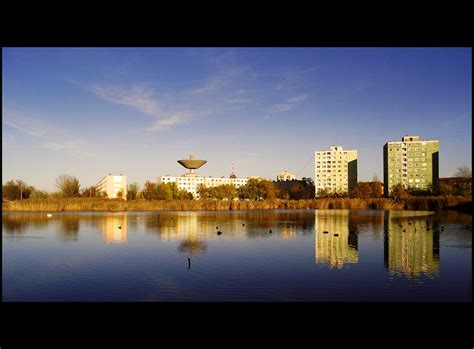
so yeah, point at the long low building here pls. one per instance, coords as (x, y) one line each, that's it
(112, 185)
(190, 182)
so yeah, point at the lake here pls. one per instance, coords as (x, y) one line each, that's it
(282, 255)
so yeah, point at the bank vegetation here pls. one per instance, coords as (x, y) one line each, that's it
(103, 204)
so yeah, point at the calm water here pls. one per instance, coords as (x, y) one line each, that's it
(311, 255)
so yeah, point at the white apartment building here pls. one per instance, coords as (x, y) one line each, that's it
(112, 185)
(335, 170)
(190, 182)
(286, 176)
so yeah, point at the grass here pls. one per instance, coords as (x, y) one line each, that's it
(114, 205)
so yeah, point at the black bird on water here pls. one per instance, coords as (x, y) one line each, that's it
(217, 227)
(442, 228)
(403, 230)
(243, 224)
(189, 263)
(219, 232)
(325, 232)
(336, 234)
(120, 227)
(270, 231)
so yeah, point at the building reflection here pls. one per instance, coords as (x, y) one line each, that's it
(411, 246)
(288, 232)
(334, 243)
(114, 228)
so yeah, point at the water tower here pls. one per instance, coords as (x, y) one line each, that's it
(191, 164)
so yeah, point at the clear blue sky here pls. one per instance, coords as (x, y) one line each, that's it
(88, 112)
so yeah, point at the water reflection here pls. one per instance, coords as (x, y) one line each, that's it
(69, 227)
(204, 226)
(192, 246)
(16, 224)
(334, 243)
(411, 245)
(114, 228)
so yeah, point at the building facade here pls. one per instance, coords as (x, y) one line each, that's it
(112, 185)
(286, 176)
(190, 183)
(414, 163)
(335, 170)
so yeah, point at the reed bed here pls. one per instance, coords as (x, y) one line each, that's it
(114, 205)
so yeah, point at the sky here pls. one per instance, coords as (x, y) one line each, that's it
(88, 112)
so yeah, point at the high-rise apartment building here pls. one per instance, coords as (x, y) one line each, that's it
(112, 185)
(335, 170)
(414, 163)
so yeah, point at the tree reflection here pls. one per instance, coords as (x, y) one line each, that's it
(69, 225)
(18, 224)
(192, 246)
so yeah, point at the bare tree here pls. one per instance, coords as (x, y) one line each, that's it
(463, 171)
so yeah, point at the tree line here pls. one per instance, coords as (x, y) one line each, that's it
(255, 189)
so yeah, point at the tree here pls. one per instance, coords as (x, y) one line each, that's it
(148, 190)
(399, 192)
(15, 190)
(250, 190)
(39, 195)
(89, 192)
(68, 186)
(120, 194)
(258, 189)
(267, 190)
(164, 191)
(376, 186)
(463, 171)
(203, 191)
(362, 190)
(132, 192)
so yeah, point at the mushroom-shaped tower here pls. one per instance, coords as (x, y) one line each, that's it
(191, 164)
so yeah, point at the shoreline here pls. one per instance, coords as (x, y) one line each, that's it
(434, 203)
